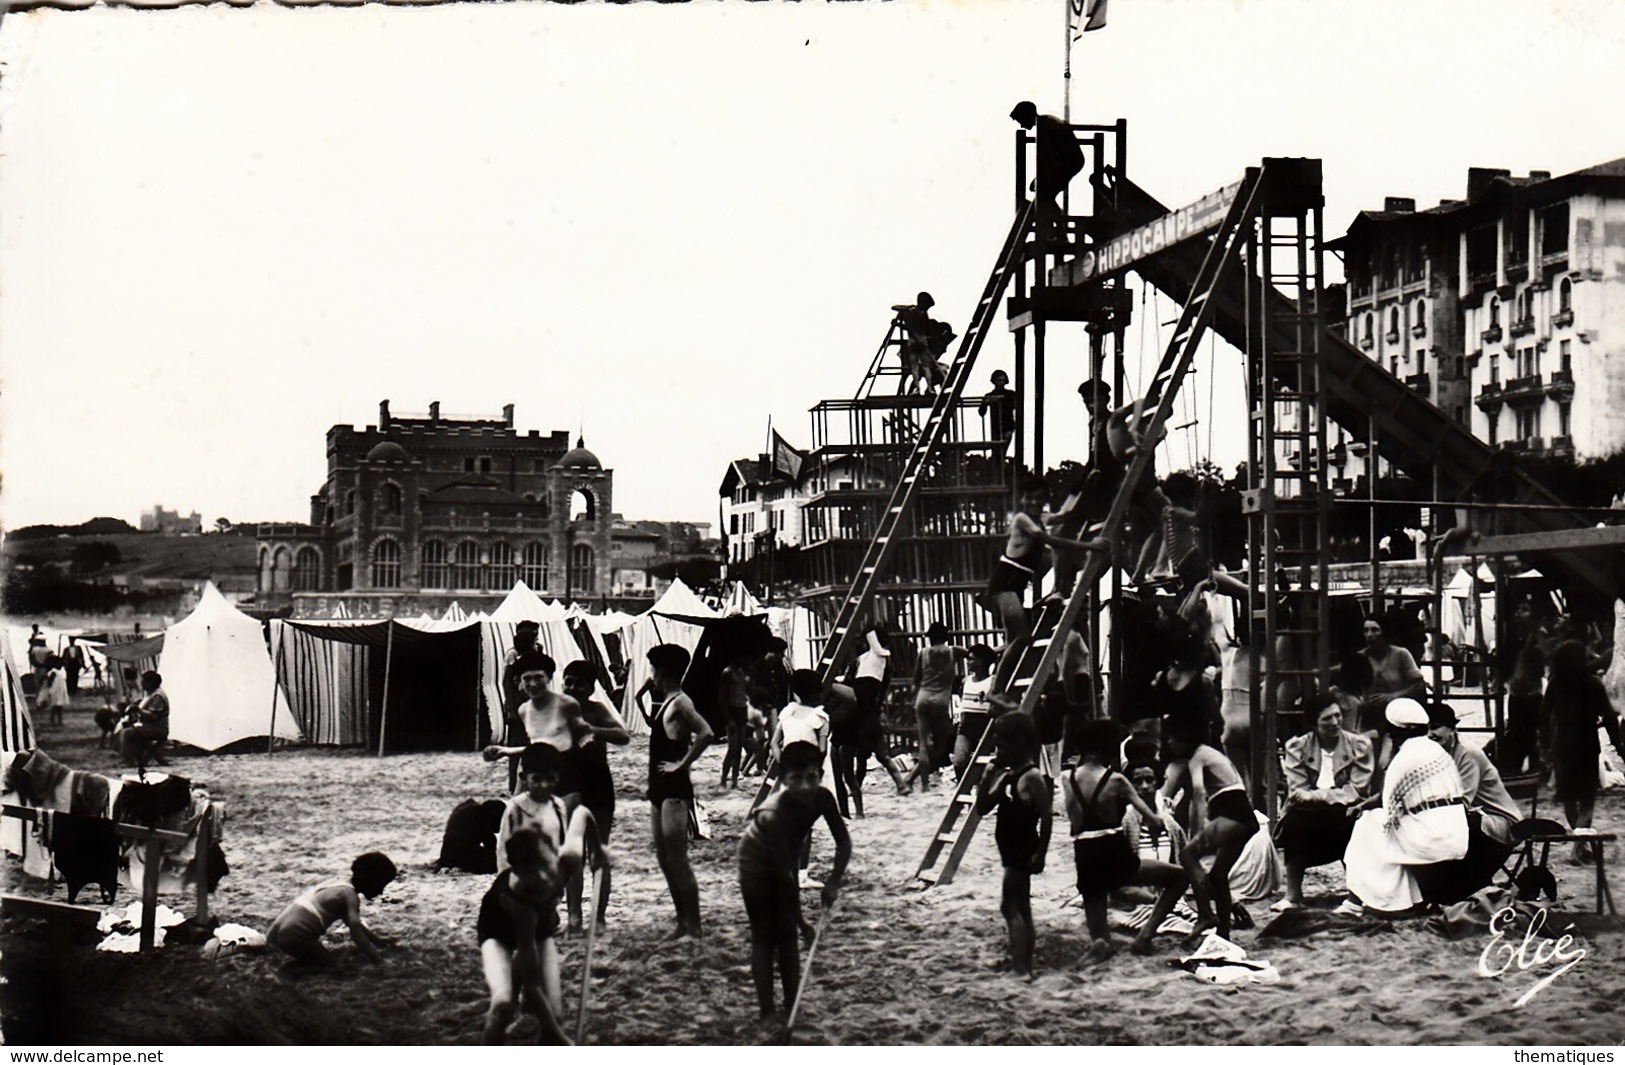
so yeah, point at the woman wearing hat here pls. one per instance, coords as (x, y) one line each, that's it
(1422, 821)
(1328, 772)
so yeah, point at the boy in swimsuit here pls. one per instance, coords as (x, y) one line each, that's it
(1097, 797)
(298, 930)
(1021, 793)
(1023, 559)
(677, 735)
(1219, 818)
(768, 850)
(546, 717)
(518, 920)
(975, 706)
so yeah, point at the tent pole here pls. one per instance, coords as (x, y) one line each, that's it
(479, 676)
(389, 654)
(276, 686)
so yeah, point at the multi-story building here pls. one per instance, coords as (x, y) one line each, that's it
(761, 501)
(159, 520)
(436, 506)
(1503, 308)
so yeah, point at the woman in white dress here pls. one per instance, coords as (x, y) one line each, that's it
(1422, 820)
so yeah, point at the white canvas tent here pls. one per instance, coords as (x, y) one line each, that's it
(218, 675)
(740, 601)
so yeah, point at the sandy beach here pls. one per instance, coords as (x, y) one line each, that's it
(897, 965)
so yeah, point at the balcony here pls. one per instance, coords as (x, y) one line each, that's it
(1492, 335)
(1518, 445)
(1489, 396)
(1556, 262)
(1392, 337)
(1366, 344)
(1562, 319)
(1561, 446)
(1477, 282)
(1561, 386)
(1523, 327)
(1418, 383)
(1530, 386)
(1419, 330)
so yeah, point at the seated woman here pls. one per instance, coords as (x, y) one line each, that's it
(1422, 821)
(1328, 777)
(148, 727)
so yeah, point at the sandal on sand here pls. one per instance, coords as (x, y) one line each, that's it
(1284, 905)
(1349, 908)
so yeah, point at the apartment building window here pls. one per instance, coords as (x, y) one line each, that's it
(1393, 365)
(386, 564)
(1526, 422)
(1365, 334)
(1421, 360)
(465, 567)
(1481, 253)
(1565, 295)
(432, 564)
(1518, 240)
(500, 577)
(1527, 365)
(733, 525)
(1495, 369)
(533, 565)
(1565, 356)
(480, 464)
(1493, 428)
(1563, 412)
(1554, 230)
(1393, 324)
(1495, 311)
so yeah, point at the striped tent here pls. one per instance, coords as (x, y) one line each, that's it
(16, 727)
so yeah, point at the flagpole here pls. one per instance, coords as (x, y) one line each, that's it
(1066, 78)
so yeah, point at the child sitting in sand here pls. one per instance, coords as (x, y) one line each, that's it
(767, 869)
(1021, 794)
(298, 931)
(518, 921)
(1097, 797)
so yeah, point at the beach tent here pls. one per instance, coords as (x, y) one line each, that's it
(398, 686)
(218, 675)
(454, 612)
(678, 617)
(680, 602)
(740, 601)
(16, 727)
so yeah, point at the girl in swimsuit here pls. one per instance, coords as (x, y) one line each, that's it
(1221, 821)
(298, 930)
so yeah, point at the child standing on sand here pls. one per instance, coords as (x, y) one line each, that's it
(1097, 798)
(298, 930)
(1020, 792)
(773, 836)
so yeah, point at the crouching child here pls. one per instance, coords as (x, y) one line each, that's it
(298, 930)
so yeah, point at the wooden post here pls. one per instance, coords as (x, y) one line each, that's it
(276, 687)
(205, 841)
(383, 710)
(152, 858)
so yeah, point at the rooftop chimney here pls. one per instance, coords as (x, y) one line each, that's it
(1479, 178)
(1540, 175)
(507, 415)
(1398, 204)
(434, 411)
(383, 414)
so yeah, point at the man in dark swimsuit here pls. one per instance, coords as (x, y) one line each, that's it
(677, 735)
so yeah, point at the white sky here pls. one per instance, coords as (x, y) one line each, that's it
(224, 230)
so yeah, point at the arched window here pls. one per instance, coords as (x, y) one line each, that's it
(386, 564)
(389, 500)
(265, 569)
(307, 570)
(465, 566)
(281, 569)
(533, 565)
(1366, 338)
(1495, 311)
(1565, 295)
(432, 564)
(1421, 313)
(1393, 324)
(499, 576)
(582, 578)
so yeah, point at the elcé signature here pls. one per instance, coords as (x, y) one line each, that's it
(1535, 952)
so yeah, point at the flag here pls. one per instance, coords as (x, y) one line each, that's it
(1087, 15)
(786, 459)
